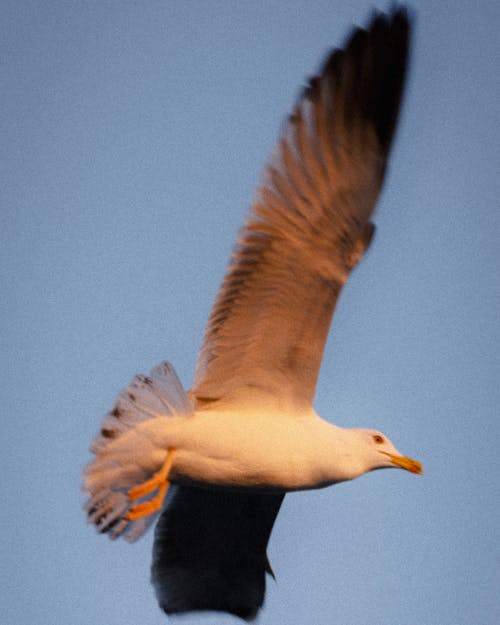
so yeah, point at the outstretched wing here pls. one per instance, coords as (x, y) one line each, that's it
(210, 551)
(308, 225)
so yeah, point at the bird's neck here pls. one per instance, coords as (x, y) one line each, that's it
(340, 457)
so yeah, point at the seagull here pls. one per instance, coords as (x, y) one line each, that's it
(247, 433)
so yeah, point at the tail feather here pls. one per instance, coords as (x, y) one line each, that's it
(159, 395)
(128, 449)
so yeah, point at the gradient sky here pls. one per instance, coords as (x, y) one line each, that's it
(133, 135)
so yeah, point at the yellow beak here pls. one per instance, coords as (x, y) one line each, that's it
(409, 464)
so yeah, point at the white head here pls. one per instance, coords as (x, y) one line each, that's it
(351, 452)
(379, 453)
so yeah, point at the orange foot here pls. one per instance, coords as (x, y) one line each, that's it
(159, 482)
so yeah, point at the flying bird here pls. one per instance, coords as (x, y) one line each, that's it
(247, 433)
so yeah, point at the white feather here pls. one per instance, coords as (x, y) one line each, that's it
(129, 449)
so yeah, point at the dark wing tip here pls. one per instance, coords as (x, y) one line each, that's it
(390, 38)
(210, 551)
(367, 75)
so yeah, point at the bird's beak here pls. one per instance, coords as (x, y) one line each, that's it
(403, 462)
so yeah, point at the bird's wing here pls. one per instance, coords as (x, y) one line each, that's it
(308, 225)
(210, 551)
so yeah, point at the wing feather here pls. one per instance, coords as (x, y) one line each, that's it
(308, 225)
(209, 551)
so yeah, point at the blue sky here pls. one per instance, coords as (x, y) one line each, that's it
(133, 135)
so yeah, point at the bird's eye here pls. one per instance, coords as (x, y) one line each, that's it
(378, 439)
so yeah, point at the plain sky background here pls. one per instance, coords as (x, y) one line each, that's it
(132, 138)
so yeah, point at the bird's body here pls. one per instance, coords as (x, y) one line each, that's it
(256, 450)
(247, 433)
(242, 451)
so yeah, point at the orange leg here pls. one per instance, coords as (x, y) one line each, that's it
(148, 507)
(159, 482)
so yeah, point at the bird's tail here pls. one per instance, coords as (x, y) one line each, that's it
(127, 449)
